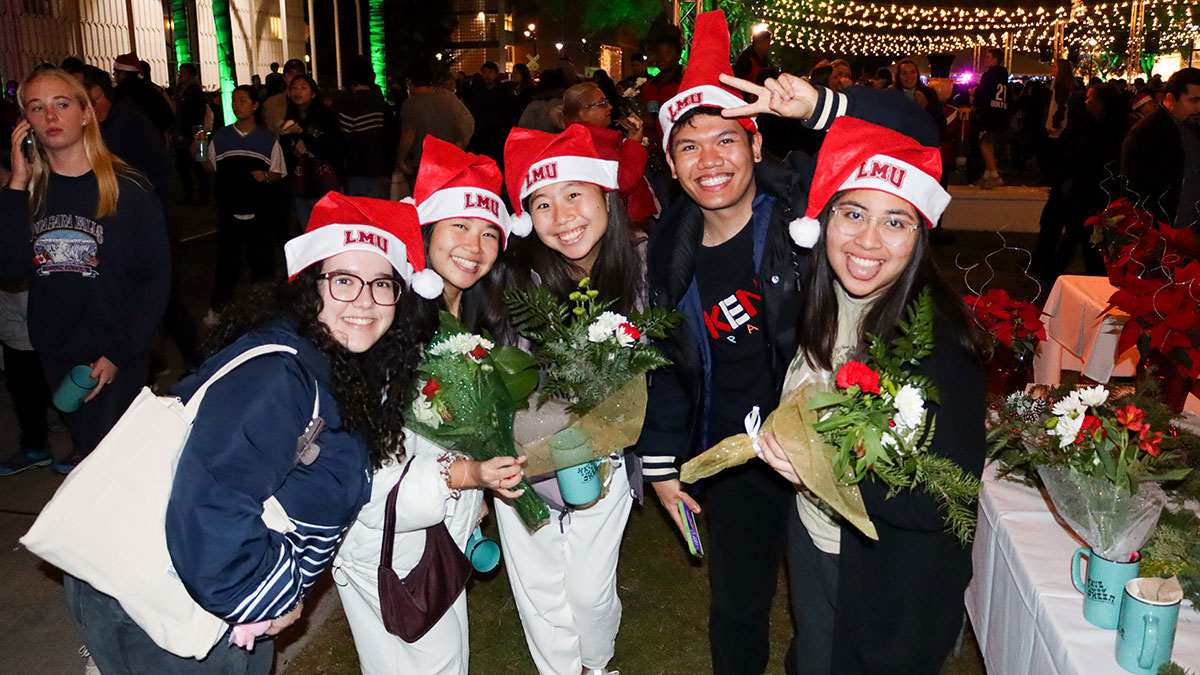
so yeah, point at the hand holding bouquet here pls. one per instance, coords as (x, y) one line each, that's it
(468, 392)
(594, 360)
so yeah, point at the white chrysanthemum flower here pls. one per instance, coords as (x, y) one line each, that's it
(910, 407)
(424, 413)
(461, 344)
(1067, 429)
(1069, 406)
(1093, 396)
(605, 326)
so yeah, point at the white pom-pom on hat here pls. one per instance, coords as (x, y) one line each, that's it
(521, 225)
(805, 231)
(427, 284)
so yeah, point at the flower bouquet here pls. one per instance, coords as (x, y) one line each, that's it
(594, 363)
(468, 392)
(1099, 457)
(873, 422)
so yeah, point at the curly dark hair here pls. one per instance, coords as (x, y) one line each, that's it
(372, 389)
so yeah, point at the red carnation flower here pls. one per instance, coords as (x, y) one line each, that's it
(430, 389)
(478, 353)
(858, 373)
(630, 330)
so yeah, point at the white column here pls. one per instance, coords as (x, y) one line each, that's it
(312, 40)
(283, 29)
(337, 43)
(253, 38)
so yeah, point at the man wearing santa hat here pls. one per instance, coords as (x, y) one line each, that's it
(723, 257)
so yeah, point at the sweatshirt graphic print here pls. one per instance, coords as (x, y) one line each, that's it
(68, 243)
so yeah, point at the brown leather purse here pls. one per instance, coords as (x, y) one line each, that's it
(412, 605)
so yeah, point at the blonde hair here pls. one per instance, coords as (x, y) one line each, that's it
(104, 164)
(575, 98)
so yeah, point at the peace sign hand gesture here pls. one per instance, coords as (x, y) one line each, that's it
(788, 96)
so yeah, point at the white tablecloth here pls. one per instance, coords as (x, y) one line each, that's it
(1026, 615)
(1080, 335)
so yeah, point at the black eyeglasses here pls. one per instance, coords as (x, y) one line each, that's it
(346, 287)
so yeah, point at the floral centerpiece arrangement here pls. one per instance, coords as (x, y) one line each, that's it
(1155, 269)
(1099, 456)
(468, 393)
(1015, 324)
(872, 422)
(594, 361)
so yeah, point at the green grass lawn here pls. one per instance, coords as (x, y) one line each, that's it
(664, 630)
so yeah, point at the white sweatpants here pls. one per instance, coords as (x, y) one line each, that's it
(565, 582)
(444, 650)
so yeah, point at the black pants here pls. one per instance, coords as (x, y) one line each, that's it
(746, 510)
(92, 422)
(813, 580)
(120, 647)
(187, 166)
(235, 239)
(26, 383)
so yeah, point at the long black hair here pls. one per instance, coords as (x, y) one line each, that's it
(250, 91)
(616, 274)
(481, 307)
(372, 389)
(817, 329)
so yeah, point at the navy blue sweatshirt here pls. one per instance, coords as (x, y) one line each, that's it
(242, 450)
(98, 288)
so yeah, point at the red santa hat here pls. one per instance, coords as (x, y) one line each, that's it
(452, 183)
(858, 155)
(130, 63)
(708, 58)
(390, 229)
(534, 159)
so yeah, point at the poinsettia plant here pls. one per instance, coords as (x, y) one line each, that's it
(1155, 269)
(878, 420)
(1015, 323)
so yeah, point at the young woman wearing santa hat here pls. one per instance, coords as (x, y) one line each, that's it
(563, 575)
(464, 226)
(894, 605)
(302, 428)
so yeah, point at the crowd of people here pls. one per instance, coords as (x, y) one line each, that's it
(732, 193)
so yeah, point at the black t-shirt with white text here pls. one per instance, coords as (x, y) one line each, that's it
(734, 323)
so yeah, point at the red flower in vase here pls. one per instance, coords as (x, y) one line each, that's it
(1149, 441)
(430, 389)
(1131, 417)
(858, 373)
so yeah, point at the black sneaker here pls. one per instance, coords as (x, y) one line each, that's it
(25, 459)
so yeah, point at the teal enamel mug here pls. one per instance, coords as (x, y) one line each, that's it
(75, 387)
(1146, 628)
(1102, 586)
(484, 553)
(579, 480)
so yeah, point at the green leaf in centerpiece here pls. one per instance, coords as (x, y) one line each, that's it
(826, 399)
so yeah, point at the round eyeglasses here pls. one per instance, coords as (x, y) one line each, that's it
(346, 287)
(894, 230)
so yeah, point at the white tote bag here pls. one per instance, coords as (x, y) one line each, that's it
(106, 524)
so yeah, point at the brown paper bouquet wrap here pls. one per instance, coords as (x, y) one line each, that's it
(810, 455)
(613, 425)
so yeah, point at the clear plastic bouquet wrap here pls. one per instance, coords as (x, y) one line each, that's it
(1115, 523)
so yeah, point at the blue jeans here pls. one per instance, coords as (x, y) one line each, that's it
(120, 647)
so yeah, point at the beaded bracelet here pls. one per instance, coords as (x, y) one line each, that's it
(444, 461)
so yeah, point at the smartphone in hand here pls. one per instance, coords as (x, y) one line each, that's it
(28, 147)
(693, 536)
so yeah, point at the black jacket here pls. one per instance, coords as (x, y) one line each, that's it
(676, 414)
(1152, 164)
(902, 606)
